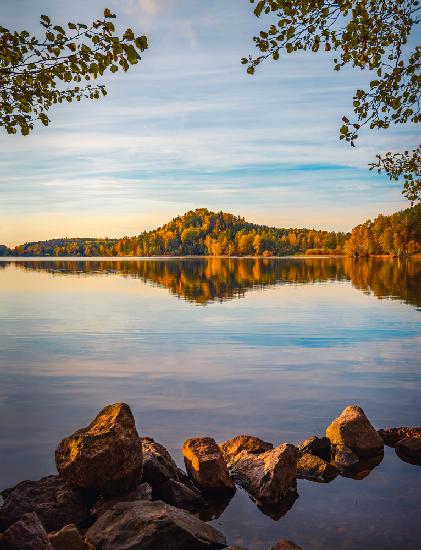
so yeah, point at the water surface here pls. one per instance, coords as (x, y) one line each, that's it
(273, 348)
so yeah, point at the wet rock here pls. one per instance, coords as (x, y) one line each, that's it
(179, 495)
(344, 457)
(54, 501)
(233, 447)
(392, 435)
(363, 468)
(267, 476)
(409, 450)
(206, 466)
(314, 468)
(283, 506)
(152, 525)
(141, 492)
(67, 538)
(353, 429)
(26, 534)
(318, 446)
(106, 456)
(285, 545)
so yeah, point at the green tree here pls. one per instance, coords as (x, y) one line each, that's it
(367, 34)
(36, 73)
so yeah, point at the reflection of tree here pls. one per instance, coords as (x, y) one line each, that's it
(205, 280)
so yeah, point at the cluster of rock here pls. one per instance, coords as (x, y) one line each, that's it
(116, 490)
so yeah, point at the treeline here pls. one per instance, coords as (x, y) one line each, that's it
(395, 235)
(204, 233)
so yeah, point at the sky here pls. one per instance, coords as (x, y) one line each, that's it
(188, 128)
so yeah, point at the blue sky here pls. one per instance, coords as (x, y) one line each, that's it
(188, 128)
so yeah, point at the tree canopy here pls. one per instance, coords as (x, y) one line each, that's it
(367, 34)
(36, 73)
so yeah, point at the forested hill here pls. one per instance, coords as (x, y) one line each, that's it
(202, 232)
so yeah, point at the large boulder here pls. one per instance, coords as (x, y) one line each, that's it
(206, 466)
(54, 501)
(318, 446)
(392, 435)
(68, 538)
(314, 468)
(353, 429)
(409, 449)
(26, 534)
(148, 525)
(106, 456)
(268, 476)
(233, 447)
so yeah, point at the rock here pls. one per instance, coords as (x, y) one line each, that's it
(179, 495)
(234, 446)
(235, 548)
(105, 457)
(285, 545)
(206, 466)
(314, 468)
(54, 501)
(392, 435)
(363, 468)
(267, 476)
(409, 449)
(148, 525)
(283, 506)
(26, 534)
(318, 446)
(344, 457)
(67, 538)
(141, 492)
(353, 429)
(158, 465)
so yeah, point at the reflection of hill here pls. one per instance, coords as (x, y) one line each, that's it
(209, 279)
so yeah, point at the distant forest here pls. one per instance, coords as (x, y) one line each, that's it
(204, 233)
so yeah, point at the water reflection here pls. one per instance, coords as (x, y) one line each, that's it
(202, 281)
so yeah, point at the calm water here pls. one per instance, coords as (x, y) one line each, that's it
(274, 348)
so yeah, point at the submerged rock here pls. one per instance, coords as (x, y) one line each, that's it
(151, 525)
(392, 435)
(267, 476)
(206, 466)
(26, 534)
(285, 545)
(68, 538)
(106, 456)
(409, 450)
(283, 506)
(54, 501)
(318, 446)
(233, 447)
(344, 457)
(363, 468)
(314, 468)
(353, 429)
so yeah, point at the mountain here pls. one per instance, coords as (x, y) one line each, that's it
(202, 232)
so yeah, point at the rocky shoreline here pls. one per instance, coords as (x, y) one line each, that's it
(116, 490)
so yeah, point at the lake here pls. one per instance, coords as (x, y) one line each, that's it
(274, 348)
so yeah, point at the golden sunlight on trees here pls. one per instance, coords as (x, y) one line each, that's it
(367, 34)
(36, 73)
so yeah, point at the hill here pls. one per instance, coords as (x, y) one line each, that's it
(202, 232)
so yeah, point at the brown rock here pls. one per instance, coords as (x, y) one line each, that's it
(141, 492)
(67, 538)
(151, 525)
(409, 449)
(285, 545)
(344, 457)
(105, 457)
(54, 501)
(158, 465)
(179, 495)
(353, 429)
(318, 446)
(26, 534)
(267, 476)
(206, 466)
(236, 445)
(392, 435)
(314, 468)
